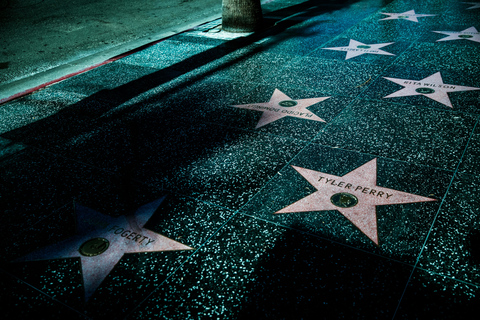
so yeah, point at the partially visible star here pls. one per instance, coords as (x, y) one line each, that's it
(476, 5)
(468, 34)
(431, 87)
(101, 241)
(356, 48)
(407, 15)
(280, 105)
(355, 195)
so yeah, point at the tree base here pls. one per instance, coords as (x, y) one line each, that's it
(241, 16)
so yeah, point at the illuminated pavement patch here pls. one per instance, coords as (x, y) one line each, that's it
(428, 136)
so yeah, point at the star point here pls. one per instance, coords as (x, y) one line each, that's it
(431, 87)
(475, 5)
(356, 48)
(101, 241)
(280, 106)
(355, 195)
(407, 15)
(468, 34)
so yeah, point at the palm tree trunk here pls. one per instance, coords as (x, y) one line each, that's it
(241, 15)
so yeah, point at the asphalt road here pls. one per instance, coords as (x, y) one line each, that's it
(43, 40)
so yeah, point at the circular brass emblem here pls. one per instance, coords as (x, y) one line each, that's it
(288, 103)
(363, 47)
(94, 247)
(344, 200)
(425, 90)
(465, 36)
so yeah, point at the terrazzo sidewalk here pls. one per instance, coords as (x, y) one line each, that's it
(322, 168)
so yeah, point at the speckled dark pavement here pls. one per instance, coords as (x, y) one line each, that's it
(323, 168)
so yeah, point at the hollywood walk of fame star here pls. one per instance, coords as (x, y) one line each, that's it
(468, 34)
(101, 241)
(356, 48)
(476, 5)
(431, 87)
(407, 15)
(355, 195)
(280, 105)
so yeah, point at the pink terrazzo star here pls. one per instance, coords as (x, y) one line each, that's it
(356, 48)
(280, 105)
(431, 87)
(355, 195)
(468, 34)
(407, 15)
(475, 5)
(118, 236)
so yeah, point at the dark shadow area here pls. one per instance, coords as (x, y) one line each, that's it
(306, 278)
(431, 296)
(473, 241)
(302, 278)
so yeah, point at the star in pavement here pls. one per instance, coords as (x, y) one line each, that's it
(356, 48)
(431, 87)
(407, 15)
(101, 241)
(468, 34)
(476, 5)
(280, 105)
(355, 195)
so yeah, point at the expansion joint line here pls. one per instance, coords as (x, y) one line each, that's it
(435, 218)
